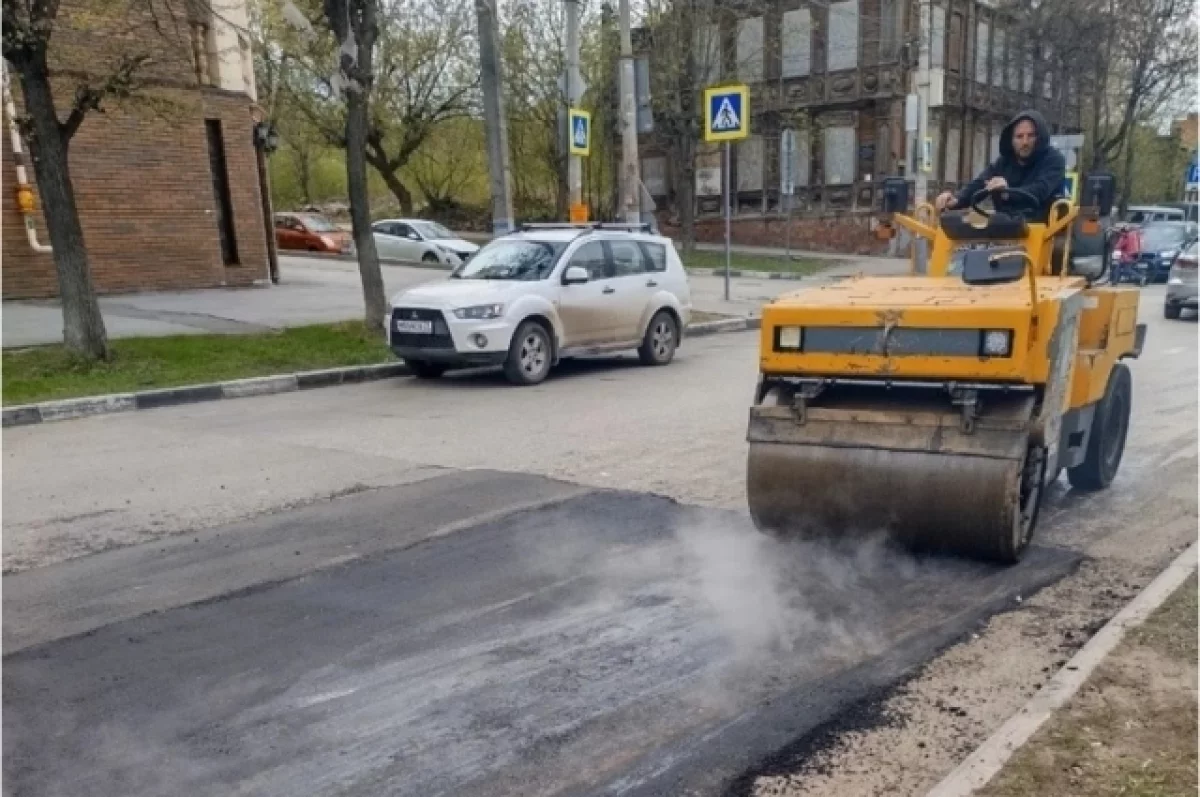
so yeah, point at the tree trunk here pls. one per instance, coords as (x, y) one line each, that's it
(360, 210)
(83, 326)
(398, 189)
(1127, 178)
(304, 171)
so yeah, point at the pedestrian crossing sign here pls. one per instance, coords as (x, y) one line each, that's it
(726, 113)
(581, 132)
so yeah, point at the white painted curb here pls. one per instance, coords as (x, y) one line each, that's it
(984, 764)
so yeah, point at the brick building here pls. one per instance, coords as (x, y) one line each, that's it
(167, 183)
(837, 73)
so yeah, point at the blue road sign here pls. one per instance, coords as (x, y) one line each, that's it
(726, 113)
(581, 132)
(1193, 173)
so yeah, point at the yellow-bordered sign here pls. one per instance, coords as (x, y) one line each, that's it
(726, 113)
(1070, 187)
(580, 132)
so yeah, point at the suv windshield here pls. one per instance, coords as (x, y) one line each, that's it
(317, 224)
(512, 260)
(1157, 237)
(432, 231)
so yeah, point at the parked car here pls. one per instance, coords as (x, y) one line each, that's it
(1190, 210)
(420, 240)
(1181, 282)
(1161, 242)
(311, 232)
(1144, 214)
(529, 299)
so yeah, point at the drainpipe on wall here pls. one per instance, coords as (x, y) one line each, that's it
(25, 204)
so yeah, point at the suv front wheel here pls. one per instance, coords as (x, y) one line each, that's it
(661, 340)
(530, 355)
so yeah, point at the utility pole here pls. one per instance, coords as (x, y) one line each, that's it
(630, 177)
(921, 81)
(574, 162)
(494, 117)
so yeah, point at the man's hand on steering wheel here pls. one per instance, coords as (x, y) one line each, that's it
(999, 186)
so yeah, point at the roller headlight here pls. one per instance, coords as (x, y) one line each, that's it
(997, 342)
(480, 312)
(789, 338)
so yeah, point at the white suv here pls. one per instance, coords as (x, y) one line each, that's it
(528, 299)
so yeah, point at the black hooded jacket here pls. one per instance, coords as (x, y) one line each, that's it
(1042, 175)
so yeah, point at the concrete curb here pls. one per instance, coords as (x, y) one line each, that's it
(67, 409)
(990, 757)
(48, 411)
(762, 275)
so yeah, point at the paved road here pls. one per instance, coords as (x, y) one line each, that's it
(255, 475)
(607, 642)
(320, 290)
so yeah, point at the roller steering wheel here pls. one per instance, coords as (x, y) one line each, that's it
(1027, 198)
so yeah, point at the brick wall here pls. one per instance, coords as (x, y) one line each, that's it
(846, 233)
(143, 187)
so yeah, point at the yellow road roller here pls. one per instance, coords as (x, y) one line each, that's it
(937, 407)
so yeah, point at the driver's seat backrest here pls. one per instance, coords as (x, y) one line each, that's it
(1001, 226)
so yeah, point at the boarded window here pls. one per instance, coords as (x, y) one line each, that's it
(839, 155)
(979, 158)
(803, 157)
(889, 29)
(708, 54)
(750, 164)
(998, 59)
(654, 175)
(953, 142)
(937, 51)
(955, 60)
(981, 52)
(750, 49)
(797, 43)
(843, 35)
(1048, 77)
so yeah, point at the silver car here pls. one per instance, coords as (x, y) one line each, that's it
(1181, 283)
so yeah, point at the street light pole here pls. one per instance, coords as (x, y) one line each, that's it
(574, 162)
(494, 118)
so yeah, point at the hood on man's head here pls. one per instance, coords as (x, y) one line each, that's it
(1043, 134)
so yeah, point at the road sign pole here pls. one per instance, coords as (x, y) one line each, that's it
(728, 214)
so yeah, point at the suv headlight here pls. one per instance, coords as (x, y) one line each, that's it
(480, 311)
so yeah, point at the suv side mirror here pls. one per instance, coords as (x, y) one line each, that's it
(575, 275)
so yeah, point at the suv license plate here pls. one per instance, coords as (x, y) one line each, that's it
(414, 327)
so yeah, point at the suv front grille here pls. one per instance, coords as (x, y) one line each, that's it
(440, 339)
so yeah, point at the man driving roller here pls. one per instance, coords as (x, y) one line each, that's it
(1028, 162)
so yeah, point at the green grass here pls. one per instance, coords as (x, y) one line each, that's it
(50, 372)
(744, 262)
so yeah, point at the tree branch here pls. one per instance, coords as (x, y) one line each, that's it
(121, 84)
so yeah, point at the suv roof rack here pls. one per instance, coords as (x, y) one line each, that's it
(586, 227)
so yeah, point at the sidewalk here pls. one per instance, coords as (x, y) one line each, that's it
(324, 290)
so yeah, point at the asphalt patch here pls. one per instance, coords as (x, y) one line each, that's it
(613, 643)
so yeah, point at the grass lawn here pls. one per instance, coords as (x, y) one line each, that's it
(49, 372)
(1131, 729)
(744, 262)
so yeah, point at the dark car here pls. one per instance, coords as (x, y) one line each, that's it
(1161, 243)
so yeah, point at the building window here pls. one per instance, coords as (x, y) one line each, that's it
(889, 29)
(998, 59)
(1048, 76)
(1014, 65)
(843, 35)
(1028, 77)
(953, 142)
(750, 49)
(937, 49)
(956, 58)
(979, 157)
(708, 54)
(750, 164)
(981, 52)
(839, 155)
(200, 62)
(994, 149)
(803, 170)
(222, 196)
(797, 43)
(654, 175)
